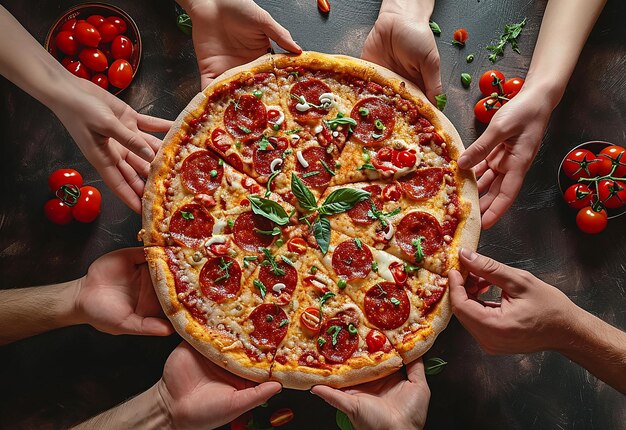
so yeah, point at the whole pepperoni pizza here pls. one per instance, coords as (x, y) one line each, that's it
(301, 218)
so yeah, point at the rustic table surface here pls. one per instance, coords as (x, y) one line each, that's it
(60, 378)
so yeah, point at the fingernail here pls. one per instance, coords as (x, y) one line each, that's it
(463, 162)
(147, 154)
(468, 254)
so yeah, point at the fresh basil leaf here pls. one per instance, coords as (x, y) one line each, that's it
(434, 27)
(342, 200)
(268, 209)
(321, 231)
(303, 194)
(441, 100)
(343, 422)
(434, 366)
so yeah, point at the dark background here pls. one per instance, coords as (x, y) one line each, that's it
(61, 378)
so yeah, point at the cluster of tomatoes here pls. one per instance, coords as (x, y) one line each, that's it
(498, 91)
(96, 49)
(601, 185)
(73, 201)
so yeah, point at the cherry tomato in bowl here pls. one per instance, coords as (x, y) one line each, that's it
(120, 74)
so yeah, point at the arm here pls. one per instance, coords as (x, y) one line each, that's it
(107, 130)
(115, 296)
(192, 393)
(402, 41)
(534, 316)
(507, 148)
(229, 33)
(395, 402)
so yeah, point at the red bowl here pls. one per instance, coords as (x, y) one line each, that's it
(565, 182)
(83, 11)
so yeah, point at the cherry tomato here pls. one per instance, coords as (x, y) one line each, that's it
(612, 194)
(311, 319)
(578, 196)
(66, 61)
(108, 31)
(58, 212)
(398, 273)
(69, 25)
(66, 42)
(94, 59)
(317, 283)
(87, 34)
(403, 159)
(612, 156)
(385, 154)
(590, 221)
(460, 36)
(121, 47)
(101, 80)
(491, 82)
(281, 417)
(297, 245)
(323, 6)
(581, 163)
(120, 73)
(64, 177)
(512, 86)
(78, 69)
(87, 208)
(375, 341)
(486, 108)
(119, 23)
(96, 20)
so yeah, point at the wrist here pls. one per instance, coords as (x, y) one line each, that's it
(67, 312)
(546, 89)
(419, 10)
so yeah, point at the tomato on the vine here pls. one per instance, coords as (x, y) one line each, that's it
(120, 73)
(61, 177)
(512, 86)
(58, 212)
(612, 194)
(612, 156)
(491, 82)
(87, 207)
(486, 108)
(581, 163)
(590, 221)
(87, 34)
(578, 196)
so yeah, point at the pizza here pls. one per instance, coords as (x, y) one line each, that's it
(301, 218)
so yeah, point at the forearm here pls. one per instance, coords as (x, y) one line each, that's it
(565, 27)
(598, 347)
(29, 311)
(146, 411)
(419, 9)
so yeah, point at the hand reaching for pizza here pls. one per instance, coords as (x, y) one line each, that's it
(229, 33)
(505, 152)
(199, 394)
(394, 402)
(402, 41)
(116, 296)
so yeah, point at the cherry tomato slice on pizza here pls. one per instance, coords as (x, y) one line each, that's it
(297, 245)
(375, 341)
(311, 319)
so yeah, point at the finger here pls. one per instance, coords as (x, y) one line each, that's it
(481, 168)
(465, 309)
(131, 177)
(511, 184)
(131, 140)
(135, 255)
(487, 199)
(251, 397)
(154, 142)
(485, 180)
(280, 35)
(151, 123)
(505, 277)
(479, 150)
(146, 326)
(415, 371)
(116, 182)
(431, 75)
(336, 398)
(141, 166)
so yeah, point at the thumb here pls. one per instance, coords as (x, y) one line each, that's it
(480, 149)
(336, 398)
(280, 35)
(431, 75)
(508, 278)
(254, 396)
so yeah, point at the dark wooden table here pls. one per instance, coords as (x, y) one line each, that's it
(60, 378)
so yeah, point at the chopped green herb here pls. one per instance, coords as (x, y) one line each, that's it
(374, 266)
(379, 125)
(287, 152)
(341, 283)
(224, 268)
(311, 173)
(410, 269)
(434, 27)
(466, 79)
(268, 186)
(276, 127)
(269, 260)
(366, 154)
(321, 341)
(292, 131)
(376, 136)
(352, 329)
(434, 366)
(419, 253)
(263, 143)
(220, 162)
(248, 258)
(358, 243)
(366, 166)
(469, 58)
(213, 173)
(511, 33)
(328, 169)
(395, 301)
(334, 329)
(441, 100)
(283, 323)
(364, 111)
(381, 216)
(280, 242)
(183, 22)
(323, 300)
(287, 260)
(245, 129)
(261, 286)
(269, 318)
(273, 232)
(295, 74)
(257, 93)
(187, 215)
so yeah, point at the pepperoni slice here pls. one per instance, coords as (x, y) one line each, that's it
(311, 90)
(377, 125)
(191, 225)
(262, 160)
(338, 343)
(269, 326)
(431, 297)
(359, 212)
(246, 232)
(422, 184)
(415, 225)
(246, 118)
(273, 281)
(220, 278)
(201, 173)
(352, 260)
(315, 175)
(387, 305)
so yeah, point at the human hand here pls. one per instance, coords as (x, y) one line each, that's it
(394, 402)
(200, 394)
(112, 136)
(533, 316)
(401, 40)
(116, 296)
(229, 33)
(505, 151)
